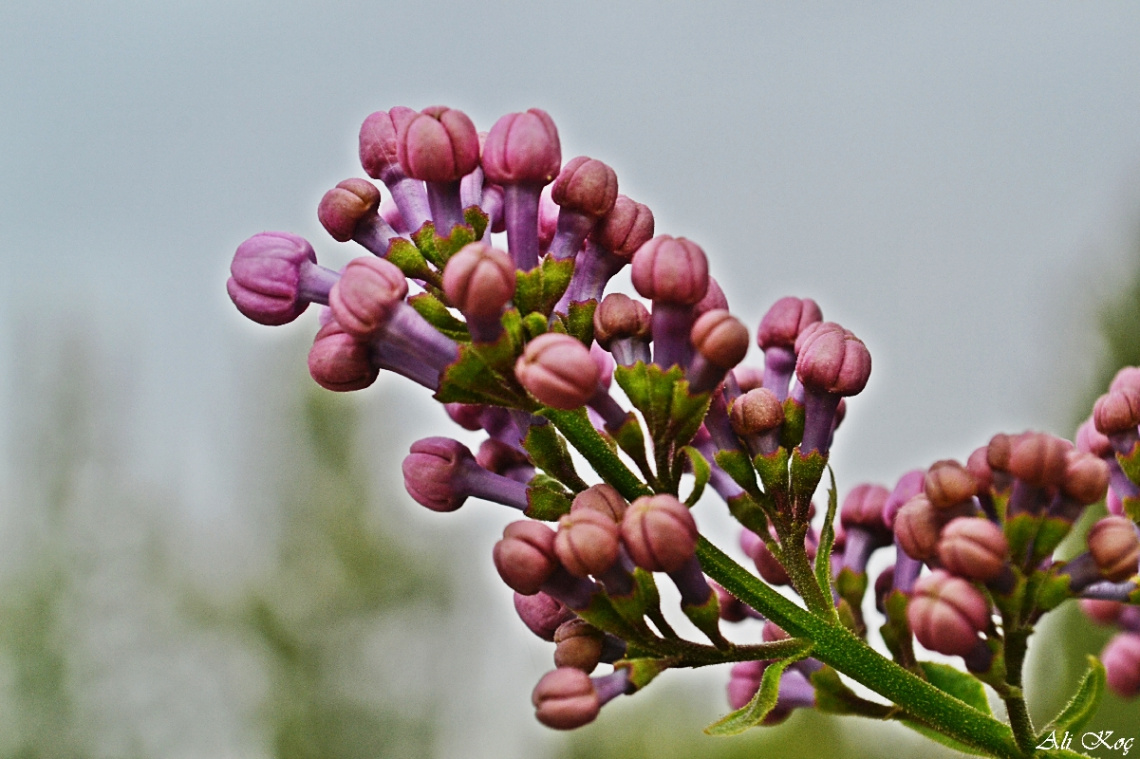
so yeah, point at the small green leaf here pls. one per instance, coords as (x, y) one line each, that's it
(642, 671)
(701, 471)
(547, 499)
(539, 289)
(435, 312)
(773, 470)
(483, 374)
(534, 324)
(738, 466)
(961, 685)
(474, 217)
(1132, 509)
(549, 453)
(792, 430)
(753, 713)
(425, 238)
(832, 696)
(1021, 532)
(805, 473)
(826, 540)
(1085, 701)
(1052, 592)
(749, 513)
(580, 320)
(411, 262)
(945, 740)
(631, 439)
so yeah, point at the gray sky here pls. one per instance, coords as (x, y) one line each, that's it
(947, 180)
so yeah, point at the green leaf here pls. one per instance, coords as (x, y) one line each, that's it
(1052, 592)
(945, 740)
(672, 414)
(805, 473)
(826, 540)
(792, 430)
(549, 453)
(539, 289)
(753, 713)
(484, 373)
(547, 499)
(425, 238)
(1084, 703)
(738, 466)
(642, 671)
(701, 471)
(580, 320)
(832, 696)
(534, 324)
(411, 262)
(474, 217)
(435, 312)
(1132, 509)
(631, 439)
(773, 470)
(961, 685)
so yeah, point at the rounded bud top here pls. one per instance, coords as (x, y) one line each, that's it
(429, 471)
(343, 207)
(1092, 441)
(499, 457)
(542, 614)
(948, 483)
(620, 316)
(756, 412)
(587, 542)
(1126, 377)
(558, 370)
(659, 533)
(587, 186)
(1117, 411)
(916, 527)
(627, 227)
(339, 362)
(863, 507)
(998, 452)
(439, 144)
(946, 613)
(366, 296)
(832, 360)
(908, 486)
(785, 320)
(1121, 658)
(720, 338)
(378, 152)
(1102, 612)
(579, 645)
(525, 556)
(565, 699)
(603, 498)
(748, 377)
(265, 277)
(1038, 459)
(714, 298)
(522, 148)
(1115, 548)
(978, 465)
(1086, 478)
(479, 280)
(973, 548)
(671, 270)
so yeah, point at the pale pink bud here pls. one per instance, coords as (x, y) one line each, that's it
(439, 144)
(565, 699)
(479, 280)
(671, 270)
(558, 370)
(587, 186)
(522, 148)
(832, 360)
(1121, 658)
(946, 614)
(973, 548)
(587, 542)
(1115, 548)
(366, 296)
(603, 498)
(618, 316)
(1117, 411)
(378, 152)
(339, 362)
(659, 533)
(525, 556)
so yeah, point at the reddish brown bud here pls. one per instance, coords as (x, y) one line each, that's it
(1038, 459)
(587, 186)
(579, 645)
(720, 338)
(973, 548)
(948, 483)
(916, 528)
(671, 270)
(756, 412)
(479, 280)
(565, 699)
(785, 320)
(1121, 658)
(627, 227)
(1086, 478)
(619, 316)
(1117, 411)
(1115, 548)
(339, 362)
(343, 207)
(603, 498)
(587, 542)
(558, 370)
(525, 556)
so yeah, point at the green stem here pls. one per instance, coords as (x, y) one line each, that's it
(1016, 644)
(803, 577)
(575, 425)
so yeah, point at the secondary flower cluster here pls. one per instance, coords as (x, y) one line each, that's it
(524, 342)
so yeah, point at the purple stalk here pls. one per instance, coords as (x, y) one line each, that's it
(779, 365)
(375, 235)
(477, 482)
(471, 189)
(608, 687)
(618, 579)
(446, 208)
(414, 334)
(593, 269)
(671, 326)
(521, 205)
(819, 415)
(858, 549)
(613, 649)
(492, 205)
(1082, 571)
(1025, 498)
(718, 426)
(1125, 443)
(906, 571)
(410, 197)
(394, 358)
(573, 592)
(1124, 487)
(704, 376)
(608, 409)
(573, 226)
(690, 581)
(627, 351)
(314, 282)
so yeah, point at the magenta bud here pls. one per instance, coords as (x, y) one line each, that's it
(558, 370)
(767, 565)
(479, 280)
(1092, 441)
(522, 148)
(756, 412)
(366, 296)
(499, 457)
(1121, 658)
(587, 186)
(748, 377)
(659, 533)
(714, 299)
(671, 270)
(439, 144)
(1125, 378)
(785, 320)
(431, 470)
(619, 316)
(266, 277)
(565, 699)
(946, 613)
(1086, 478)
(525, 556)
(948, 483)
(720, 338)
(974, 548)
(338, 362)
(604, 499)
(378, 152)
(832, 360)
(1038, 459)
(627, 227)
(1117, 411)
(863, 507)
(979, 466)
(1115, 548)
(542, 614)
(346, 205)
(587, 542)
(908, 486)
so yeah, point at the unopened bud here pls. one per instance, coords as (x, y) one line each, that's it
(946, 614)
(525, 556)
(1115, 548)
(973, 548)
(659, 533)
(558, 370)
(587, 542)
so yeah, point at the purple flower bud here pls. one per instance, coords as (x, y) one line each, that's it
(1126, 377)
(525, 556)
(585, 190)
(346, 205)
(558, 370)
(441, 474)
(721, 341)
(502, 458)
(380, 157)
(785, 320)
(604, 499)
(659, 533)
(1115, 547)
(756, 412)
(946, 614)
(627, 227)
(542, 614)
(671, 270)
(973, 548)
(439, 144)
(566, 699)
(579, 645)
(908, 486)
(522, 148)
(862, 518)
(1086, 478)
(1090, 440)
(1121, 658)
(767, 565)
(274, 277)
(948, 483)
(832, 360)
(917, 526)
(339, 362)
(587, 542)
(480, 280)
(619, 323)
(366, 296)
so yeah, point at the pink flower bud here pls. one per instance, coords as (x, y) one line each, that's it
(346, 205)
(1102, 612)
(948, 483)
(767, 565)
(522, 148)
(266, 273)
(479, 280)
(832, 360)
(1121, 658)
(671, 270)
(917, 526)
(1091, 441)
(579, 645)
(627, 227)
(785, 320)
(587, 186)
(1126, 377)
(525, 556)
(587, 542)
(756, 412)
(1117, 411)
(542, 614)
(1086, 478)
(547, 218)
(659, 533)
(339, 362)
(602, 498)
(565, 699)
(720, 338)
(1115, 548)
(714, 299)
(617, 317)
(367, 294)
(946, 614)
(439, 144)
(378, 152)
(558, 370)
(499, 457)
(979, 466)
(431, 470)
(1038, 459)
(973, 548)
(998, 452)
(863, 507)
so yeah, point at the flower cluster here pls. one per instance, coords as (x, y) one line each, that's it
(524, 340)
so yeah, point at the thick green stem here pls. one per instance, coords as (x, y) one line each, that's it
(803, 579)
(575, 425)
(1016, 645)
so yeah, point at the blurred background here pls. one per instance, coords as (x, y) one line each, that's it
(202, 554)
